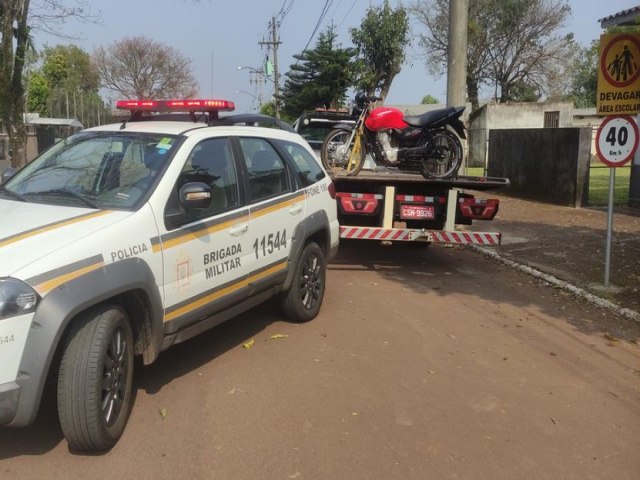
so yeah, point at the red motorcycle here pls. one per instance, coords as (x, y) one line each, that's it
(422, 143)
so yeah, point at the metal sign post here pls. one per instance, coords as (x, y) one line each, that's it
(616, 142)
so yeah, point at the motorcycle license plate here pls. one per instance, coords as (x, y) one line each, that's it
(417, 212)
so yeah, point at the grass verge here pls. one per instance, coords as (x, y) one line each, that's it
(598, 184)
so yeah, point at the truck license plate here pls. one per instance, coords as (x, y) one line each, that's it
(420, 212)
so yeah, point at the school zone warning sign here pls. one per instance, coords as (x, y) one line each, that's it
(619, 74)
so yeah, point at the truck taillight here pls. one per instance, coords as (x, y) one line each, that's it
(479, 209)
(358, 203)
(332, 190)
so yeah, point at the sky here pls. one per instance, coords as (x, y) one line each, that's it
(218, 36)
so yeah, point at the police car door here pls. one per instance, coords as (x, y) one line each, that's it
(204, 267)
(275, 211)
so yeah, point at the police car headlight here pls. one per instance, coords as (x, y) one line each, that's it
(16, 298)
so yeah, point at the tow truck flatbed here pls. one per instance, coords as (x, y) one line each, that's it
(391, 177)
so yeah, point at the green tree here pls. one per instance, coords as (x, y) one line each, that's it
(429, 100)
(268, 108)
(38, 97)
(521, 91)
(16, 23)
(72, 86)
(320, 77)
(74, 83)
(381, 43)
(584, 76)
(514, 46)
(70, 67)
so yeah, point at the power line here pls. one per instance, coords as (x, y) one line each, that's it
(325, 10)
(285, 9)
(347, 14)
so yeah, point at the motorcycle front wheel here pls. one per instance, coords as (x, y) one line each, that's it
(443, 157)
(338, 156)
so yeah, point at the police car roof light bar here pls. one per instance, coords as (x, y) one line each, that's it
(201, 105)
(177, 105)
(210, 107)
(150, 105)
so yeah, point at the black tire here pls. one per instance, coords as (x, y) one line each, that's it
(335, 154)
(303, 300)
(444, 155)
(95, 380)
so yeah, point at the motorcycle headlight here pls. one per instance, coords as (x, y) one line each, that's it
(16, 298)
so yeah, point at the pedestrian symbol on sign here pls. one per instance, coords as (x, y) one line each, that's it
(623, 66)
(619, 60)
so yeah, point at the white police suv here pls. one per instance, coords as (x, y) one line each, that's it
(125, 239)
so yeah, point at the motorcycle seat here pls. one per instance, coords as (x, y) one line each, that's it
(434, 118)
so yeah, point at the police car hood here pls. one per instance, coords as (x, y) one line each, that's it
(31, 231)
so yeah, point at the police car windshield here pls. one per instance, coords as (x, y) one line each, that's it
(95, 169)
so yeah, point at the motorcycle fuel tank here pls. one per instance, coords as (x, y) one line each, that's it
(385, 117)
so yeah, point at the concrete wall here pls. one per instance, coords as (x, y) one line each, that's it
(506, 116)
(544, 164)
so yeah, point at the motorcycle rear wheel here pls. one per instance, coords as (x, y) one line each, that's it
(444, 155)
(336, 153)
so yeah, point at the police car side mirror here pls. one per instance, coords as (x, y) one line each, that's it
(195, 195)
(7, 173)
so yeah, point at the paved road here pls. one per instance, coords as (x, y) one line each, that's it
(434, 363)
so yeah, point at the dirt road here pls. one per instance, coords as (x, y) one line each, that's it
(434, 363)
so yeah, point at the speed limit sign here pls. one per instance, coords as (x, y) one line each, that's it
(617, 140)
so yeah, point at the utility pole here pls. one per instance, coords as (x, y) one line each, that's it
(457, 53)
(457, 58)
(273, 44)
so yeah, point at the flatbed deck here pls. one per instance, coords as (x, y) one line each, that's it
(391, 177)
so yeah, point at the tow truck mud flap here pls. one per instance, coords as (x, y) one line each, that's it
(410, 235)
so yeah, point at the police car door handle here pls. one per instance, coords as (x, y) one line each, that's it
(295, 209)
(239, 229)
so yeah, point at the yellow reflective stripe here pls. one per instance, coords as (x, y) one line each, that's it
(205, 300)
(53, 283)
(223, 292)
(187, 237)
(53, 226)
(266, 273)
(278, 206)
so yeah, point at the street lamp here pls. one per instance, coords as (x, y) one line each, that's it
(258, 99)
(259, 73)
(258, 78)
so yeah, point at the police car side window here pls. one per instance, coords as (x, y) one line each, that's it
(266, 169)
(211, 162)
(307, 169)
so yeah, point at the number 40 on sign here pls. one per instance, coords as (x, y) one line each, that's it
(617, 140)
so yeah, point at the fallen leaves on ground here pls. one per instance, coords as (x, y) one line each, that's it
(249, 344)
(611, 338)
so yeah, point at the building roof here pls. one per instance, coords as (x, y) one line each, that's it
(584, 112)
(623, 17)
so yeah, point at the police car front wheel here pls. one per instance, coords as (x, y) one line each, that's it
(95, 379)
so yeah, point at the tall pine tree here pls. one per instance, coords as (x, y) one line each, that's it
(320, 77)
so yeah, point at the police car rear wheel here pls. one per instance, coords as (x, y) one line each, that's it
(303, 300)
(95, 379)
